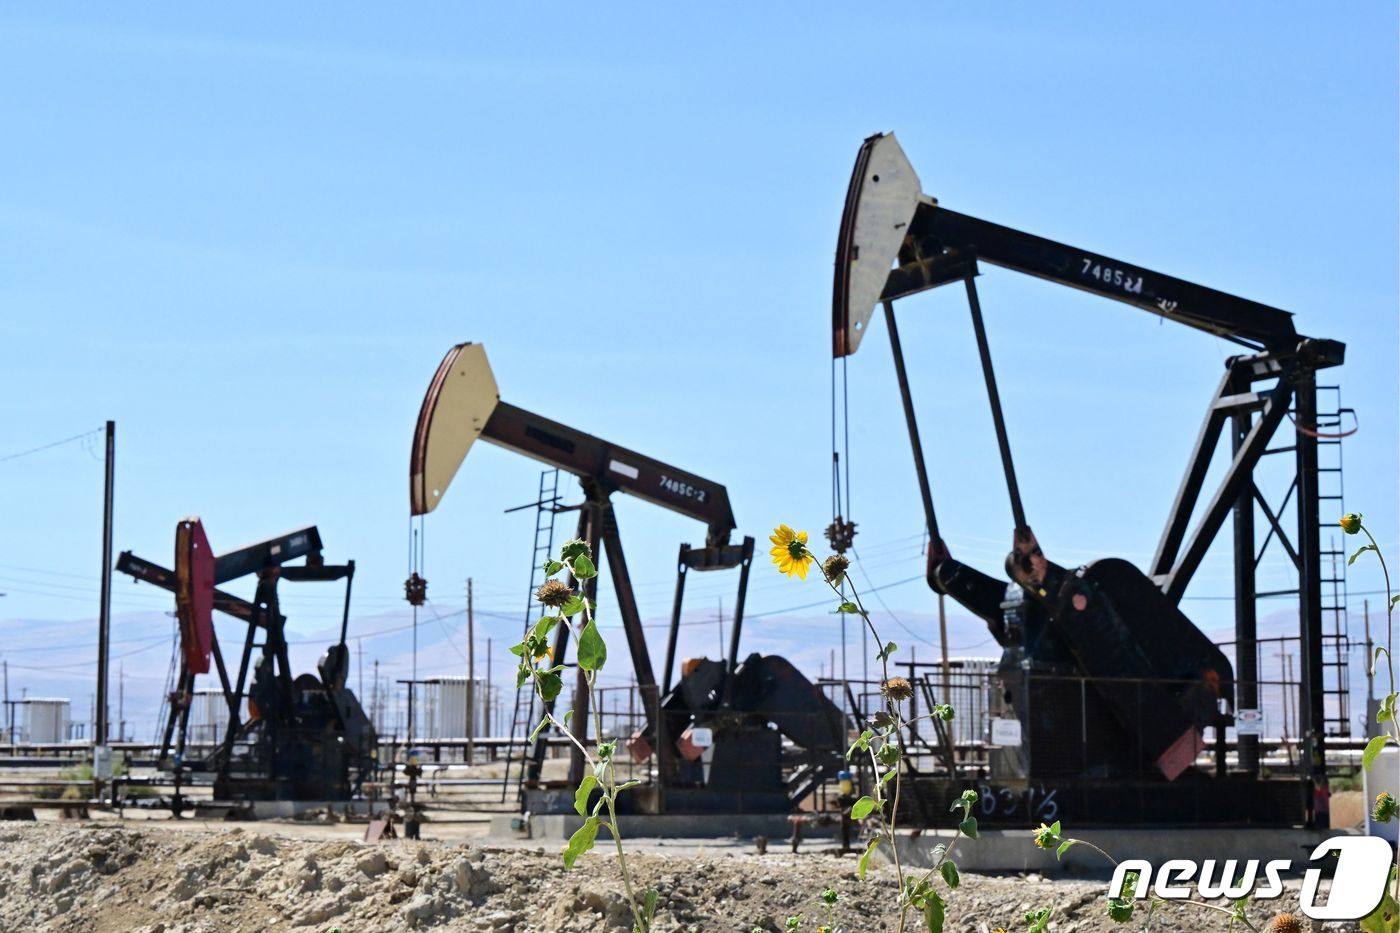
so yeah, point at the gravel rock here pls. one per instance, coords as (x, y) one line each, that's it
(71, 877)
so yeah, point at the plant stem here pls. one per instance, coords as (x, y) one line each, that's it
(888, 824)
(1223, 910)
(1394, 727)
(609, 783)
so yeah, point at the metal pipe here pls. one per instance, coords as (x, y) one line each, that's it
(738, 625)
(681, 570)
(927, 495)
(994, 397)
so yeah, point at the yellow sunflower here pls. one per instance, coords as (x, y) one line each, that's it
(790, 552)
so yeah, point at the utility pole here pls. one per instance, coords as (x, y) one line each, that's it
(360, 666)
(376, 716)
(121, 701)
(471, 678)
(104, 609)
(490, 725)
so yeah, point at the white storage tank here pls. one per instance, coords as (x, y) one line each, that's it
(208, 717)
(972, 688)
(442, 708)
(42, 720)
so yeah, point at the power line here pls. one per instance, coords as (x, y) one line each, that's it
(51, 445)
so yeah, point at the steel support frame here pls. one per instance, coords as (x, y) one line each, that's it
(941, 246)
(1254, 417)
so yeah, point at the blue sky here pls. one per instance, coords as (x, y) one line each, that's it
(249, 237)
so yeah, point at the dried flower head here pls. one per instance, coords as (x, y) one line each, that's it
(554, 593)
(1385, 808)
(835, 568)
(1285, 923)
(1351, 522)
(897, 689)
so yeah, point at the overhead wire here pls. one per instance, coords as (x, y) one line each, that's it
(50, 445)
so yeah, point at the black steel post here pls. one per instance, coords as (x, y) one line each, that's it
(104, 609)
(929, 518)
(1311, 710)
(1246, 610)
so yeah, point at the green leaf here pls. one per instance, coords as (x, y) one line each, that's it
(1055, 828)
(1373, 748)
(551, 567)
(864, 862)
(581, 841)
(572, 607)
(1376, 658)
(889, 775)
(540, 728)
(889, 650)
(1361, 550)
(933, 912)
(583, 568)
(1037, 919)
(518, 650)
(969, 827)
(848, 606)
(592, 652)
(860, 744)
(1120, 909)
(649, 903)
(862, 807)
(544, 626)
(585, 788)
(568, 714)
(521, 675)
(1064, 847)
(1394, 599)
(944, 712)
(949, 871)
(623, 787)
(549, 686)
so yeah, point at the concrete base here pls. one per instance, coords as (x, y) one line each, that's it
(1014, 850)
(291, 809)
(560, 826)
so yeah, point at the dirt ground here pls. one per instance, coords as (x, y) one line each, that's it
(106, 875)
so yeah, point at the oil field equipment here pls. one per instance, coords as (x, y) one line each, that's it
(772, 736)
(1128, 750)
(299, 738)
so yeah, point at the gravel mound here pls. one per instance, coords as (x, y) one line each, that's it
(103, 878)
